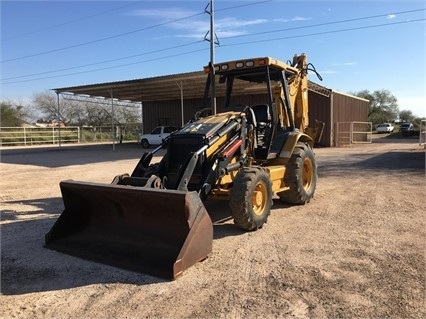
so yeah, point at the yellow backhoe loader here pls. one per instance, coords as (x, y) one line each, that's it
(154, 220)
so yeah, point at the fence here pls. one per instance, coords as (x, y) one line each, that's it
(422, 134)
(347, 133)
(27, 136)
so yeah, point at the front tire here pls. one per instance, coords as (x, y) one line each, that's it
(301, 176)
(251, 198)
(145, 143)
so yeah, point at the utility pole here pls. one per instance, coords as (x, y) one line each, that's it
(112, 120)
(59, 121)
(181, 100)
(212, 43)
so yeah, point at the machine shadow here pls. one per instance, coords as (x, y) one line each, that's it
(222, 220)
(27, 266)
(220, 214)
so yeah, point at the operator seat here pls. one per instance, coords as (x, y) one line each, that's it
(262, 113)
(263, 121)
(263, 130)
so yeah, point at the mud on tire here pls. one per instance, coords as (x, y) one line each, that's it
(251, 198)
(301, 176)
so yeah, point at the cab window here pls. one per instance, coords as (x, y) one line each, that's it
(157, 130)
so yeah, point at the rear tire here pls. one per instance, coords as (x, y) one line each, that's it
(251, 198)
(301, 176)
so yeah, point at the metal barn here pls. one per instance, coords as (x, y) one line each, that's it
(174, 99)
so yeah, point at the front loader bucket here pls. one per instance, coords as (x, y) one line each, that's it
(153, 231)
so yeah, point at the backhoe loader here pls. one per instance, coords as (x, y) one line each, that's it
(154, 220)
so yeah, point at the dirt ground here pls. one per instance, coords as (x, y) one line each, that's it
(357, 250)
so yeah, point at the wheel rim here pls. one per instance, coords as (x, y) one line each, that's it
(307, 173)
(259, 197)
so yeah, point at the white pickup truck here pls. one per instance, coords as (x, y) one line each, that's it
(156, 136)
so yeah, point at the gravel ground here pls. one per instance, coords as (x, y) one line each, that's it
(357, 250)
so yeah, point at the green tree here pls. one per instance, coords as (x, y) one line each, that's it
(383, 106)
(12, 115)
(407, 116)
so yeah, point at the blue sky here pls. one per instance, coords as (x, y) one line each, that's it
(354, 45)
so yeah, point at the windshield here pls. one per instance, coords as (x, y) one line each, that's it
(250, 82)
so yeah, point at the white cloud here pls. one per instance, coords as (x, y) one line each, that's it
(280, 20)
(391, 16)
(196, 27)
(165, 14)
(235, 23)
(296, 18)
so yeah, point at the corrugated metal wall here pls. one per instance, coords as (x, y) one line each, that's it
(170, 112)
(347, 108)
(337, 107)
(319, 109)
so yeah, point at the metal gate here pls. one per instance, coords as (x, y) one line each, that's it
(422, 135)
(348, 133)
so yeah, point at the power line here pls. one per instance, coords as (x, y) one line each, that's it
(106, 12)
(226, 45)
(325, 32)
(107, 68)
(325, 23)
(106, 61)
(101, 39)
(242, 5)
(123, 34)
(71, 21)
(195, 42)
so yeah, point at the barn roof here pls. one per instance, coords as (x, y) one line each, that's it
(167, 87)
(160, 88)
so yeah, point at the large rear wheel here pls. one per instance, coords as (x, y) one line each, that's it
(251, 198)
(301, 176)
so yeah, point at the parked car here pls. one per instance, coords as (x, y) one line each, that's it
(407, 129)
(156, 136)
(385, 128)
